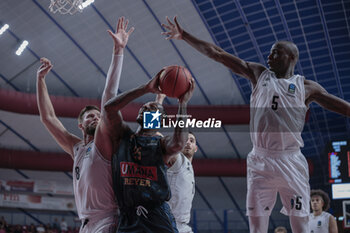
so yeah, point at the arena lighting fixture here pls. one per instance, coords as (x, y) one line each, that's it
(22, 47)
(85, 4)
(4, 28)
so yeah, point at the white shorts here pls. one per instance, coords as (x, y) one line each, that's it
(269, 172)
(100, 225)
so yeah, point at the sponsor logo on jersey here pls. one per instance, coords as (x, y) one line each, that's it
(265, 82)
(87, 152)
(319, 224)
(137, 181)
(128, 169)
(291, 88)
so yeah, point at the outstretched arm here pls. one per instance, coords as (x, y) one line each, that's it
(249, 70)
(118, 102)
(314, 92)
(120, 38)
(104, 134)
(47, 113)
(174, 144)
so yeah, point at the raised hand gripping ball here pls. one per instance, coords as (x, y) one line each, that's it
(175, 81)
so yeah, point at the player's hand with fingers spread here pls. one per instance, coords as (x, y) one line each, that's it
(121, 36)
(153, 84)
(188, 94)
(45, 67)
(174, 30)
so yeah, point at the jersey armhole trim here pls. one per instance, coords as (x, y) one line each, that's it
(75, 147)
(302, 82)
(259, 80)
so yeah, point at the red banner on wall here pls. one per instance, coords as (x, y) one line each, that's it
(37, 202)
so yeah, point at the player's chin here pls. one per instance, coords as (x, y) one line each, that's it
(186, 150)
(270, 64)
(90, 130)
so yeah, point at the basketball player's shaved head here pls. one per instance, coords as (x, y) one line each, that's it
(290, 47)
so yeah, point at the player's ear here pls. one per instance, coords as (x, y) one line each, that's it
(293, 57)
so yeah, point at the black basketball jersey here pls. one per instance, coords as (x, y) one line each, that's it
(139, 173)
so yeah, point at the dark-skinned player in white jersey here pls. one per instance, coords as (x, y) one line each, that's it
(279, 102)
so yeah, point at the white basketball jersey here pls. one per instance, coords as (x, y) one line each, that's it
(277, 112)
(182, 186)
(92, 183)
(319, 224)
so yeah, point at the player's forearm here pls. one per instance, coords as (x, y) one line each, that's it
(334, 104)
(216, 53)
(45, 106)
(203, 47)
(116, 103)
(160, 98)
(113, 78)
(180, 133)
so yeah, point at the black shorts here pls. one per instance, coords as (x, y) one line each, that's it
(158, 219)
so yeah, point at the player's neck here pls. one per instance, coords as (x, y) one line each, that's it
(189, 157)
(285, 74)
(317, 212)
(88, 139)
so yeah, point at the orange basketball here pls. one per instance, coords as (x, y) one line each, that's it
(175, 81)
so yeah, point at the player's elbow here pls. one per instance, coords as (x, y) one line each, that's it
(108, 111)
(107, 107)
(46, 119)
(111, 117)
(110, 106)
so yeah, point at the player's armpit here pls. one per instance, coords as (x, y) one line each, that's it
(65, 139)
